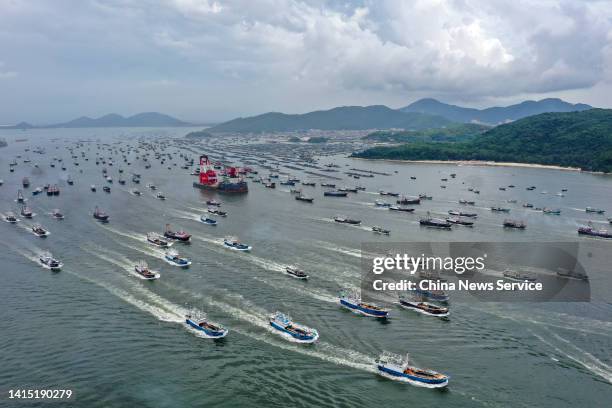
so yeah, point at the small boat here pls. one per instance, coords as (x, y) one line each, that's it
(380, 230)
(296, 332)
(217, 212)
(380, 203)
(352, 301)
(514, 224)
(100, 215)
(459, 221)
(518, 276)
(345, 220)
(70, 181)
(296, 272)
(56, 213)
(335, 193)
(25, 182)
(434, 222)
(213, 203)
(20, 197)
(39, 231)
(400, 208)
(595, 210)
(500, 209)
(552, 211)
(425, 197)
(423, 307)
(309, 183)
(328, 185)
(10, 218)
(48, 261)
(160, 196)
(527, 205)
(152, 186)
(208, 329)
(106, 189)
(136, 192)
(157, 240)
(173, 258)
(121, 181)
(301, 197)
(136, 180)
(467, 202)
(93, 188)
(395, 367)
(408, 201)
(208, 221)
(270, 185)
(235, 244)
(37, 191)
(589, 230)
(143, 271)
(109, 179)
(26, 212)
(388, 193)
(176, 235)
(531, 188)
(348, 189)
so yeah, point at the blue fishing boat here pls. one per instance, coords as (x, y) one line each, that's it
(352, 301)
(235, 244)
(208, 221)
(293, 331)
(398, 368)
(207, 328)
(173, 258)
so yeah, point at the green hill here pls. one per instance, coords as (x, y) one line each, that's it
(574, 139)
(452, 133)
(342, 118)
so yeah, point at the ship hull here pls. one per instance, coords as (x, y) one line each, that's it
(240, 187)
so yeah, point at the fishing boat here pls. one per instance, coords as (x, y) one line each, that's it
(309, 183)
(208, 221)
(301, 197)
(160, 196)
(514, 224)
(595, 210)
(459, 221)
(335, 193)
(106, 189)
(56, 213)
(136, 192)
(206, 327)
(287, 183)
(295, 272)
(348, 189)
(232, 181)
(552, 211)
(500, 209)
(527, 205)
(176, 235)
(48, 261)
(381, 203)
(100, 215)
(425, 197)
(217, 212)
(589, 230)
(39, 231)
(151, 186)
(37, 191)
(388, 193)
(25, 182)
(213, 203)
(93, 188)
(352, 301)
(70, 181)
(437, 295)
(380, 230)
(270, 185)
(158, 240)
(121, 181)
(234, 244)
(345, 220)
(10, 218)
(467, 202)
(422, 307)
(518, 276)
(136, 180)
(26, 212)
(173, 258)
(400, 208)
(398, 368)
(143, 271)
(408, 201)
(296, 332)
(20, 197)
(434, 222)
(328, 185)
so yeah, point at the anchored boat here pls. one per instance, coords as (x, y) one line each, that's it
(206, 327)
(295, 332)
(231, 183)
(395, 367)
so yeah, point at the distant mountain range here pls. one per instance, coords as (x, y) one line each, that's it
(494, 115)
(341, 118)
(571, 139)
(145, 119)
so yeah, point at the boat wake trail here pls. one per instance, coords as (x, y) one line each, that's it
(342, 250)
(126, 234)
(314, 293)
(186, 215)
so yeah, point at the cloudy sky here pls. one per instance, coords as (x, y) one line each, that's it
(210, 60)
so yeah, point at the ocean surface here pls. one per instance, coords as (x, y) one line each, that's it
(119, 341)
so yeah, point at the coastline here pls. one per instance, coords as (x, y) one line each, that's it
(484, 163)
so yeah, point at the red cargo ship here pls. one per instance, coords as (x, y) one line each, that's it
(231, 182)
